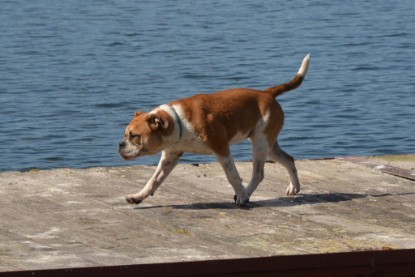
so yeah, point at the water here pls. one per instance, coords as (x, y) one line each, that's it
(72, 73)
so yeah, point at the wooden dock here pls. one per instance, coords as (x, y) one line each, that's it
(78, 217)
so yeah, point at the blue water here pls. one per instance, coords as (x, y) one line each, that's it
(72, 73)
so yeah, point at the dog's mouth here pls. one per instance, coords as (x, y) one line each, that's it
(128, 152)
(127, 157)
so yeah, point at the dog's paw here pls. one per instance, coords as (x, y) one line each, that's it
(292, 190)
(132, 200)
(240, 202)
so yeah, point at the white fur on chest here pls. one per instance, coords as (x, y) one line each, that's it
(189, 140)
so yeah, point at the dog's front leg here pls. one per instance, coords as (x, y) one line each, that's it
(233, 177)
(166, 164)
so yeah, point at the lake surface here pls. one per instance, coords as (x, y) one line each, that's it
(72, 73)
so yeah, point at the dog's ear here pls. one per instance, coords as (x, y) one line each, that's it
(138, 113)
(156, 123)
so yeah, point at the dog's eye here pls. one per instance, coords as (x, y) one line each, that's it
(135, 137)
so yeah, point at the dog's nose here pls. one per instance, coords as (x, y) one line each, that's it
(122, 144)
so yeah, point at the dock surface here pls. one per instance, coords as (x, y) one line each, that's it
(78, 217)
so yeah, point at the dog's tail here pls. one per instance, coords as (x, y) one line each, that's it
(294, 83)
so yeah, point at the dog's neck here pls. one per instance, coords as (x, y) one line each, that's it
(178, 121)
(179, 132)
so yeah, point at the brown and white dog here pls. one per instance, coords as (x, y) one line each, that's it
(209, 124)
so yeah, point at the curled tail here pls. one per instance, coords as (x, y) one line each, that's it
(294, 83)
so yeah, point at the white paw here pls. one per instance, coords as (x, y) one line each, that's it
(292, 190)
(133, 199)
(241, 200)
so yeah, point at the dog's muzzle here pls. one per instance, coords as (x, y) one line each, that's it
(128, 151)
(121, 148)
(122, 145)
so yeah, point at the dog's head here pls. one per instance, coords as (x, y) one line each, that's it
(144, 134)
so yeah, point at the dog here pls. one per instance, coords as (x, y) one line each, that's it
(209, 124)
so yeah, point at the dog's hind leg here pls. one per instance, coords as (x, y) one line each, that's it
(278, 155)
(167, 162)
(233, 177)
(260, 150)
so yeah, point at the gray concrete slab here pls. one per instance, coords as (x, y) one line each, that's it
(78, 217)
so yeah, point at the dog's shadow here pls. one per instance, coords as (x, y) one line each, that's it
(301, 199)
